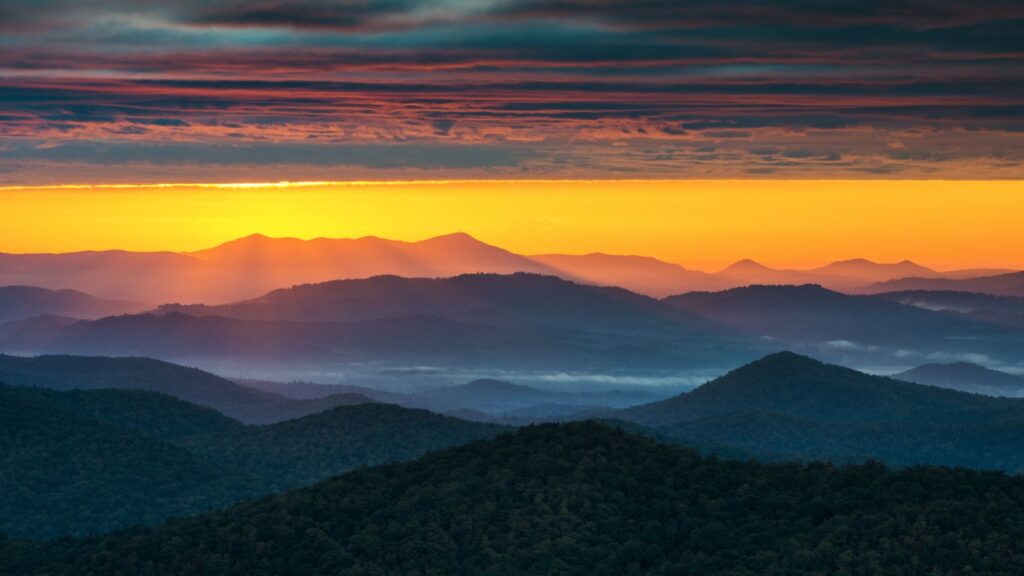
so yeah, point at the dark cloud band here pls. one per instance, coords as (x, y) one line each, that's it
(614, 87)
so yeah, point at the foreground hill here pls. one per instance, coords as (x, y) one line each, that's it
(90, 461)
(860, 329)
(583, 499)
(189, 384)
(298, 452)
(87, 462)
(20, 302)
(966, 377)
(790, 406)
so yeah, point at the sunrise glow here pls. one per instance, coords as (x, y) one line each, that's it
(700, 224)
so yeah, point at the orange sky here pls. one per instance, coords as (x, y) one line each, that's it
(700, 224)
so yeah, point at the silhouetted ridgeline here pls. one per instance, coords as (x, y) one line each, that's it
(856, 329)
(513, 322)
(190, 384)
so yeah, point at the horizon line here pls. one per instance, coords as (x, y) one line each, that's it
(762, 262)
(400, 182)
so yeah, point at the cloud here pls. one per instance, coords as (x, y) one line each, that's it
(785, 89)
(845, 345)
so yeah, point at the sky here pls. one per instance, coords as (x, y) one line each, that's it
(140, 91)
(702, 131)
(701, 224)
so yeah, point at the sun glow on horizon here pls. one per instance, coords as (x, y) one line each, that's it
(701, 224)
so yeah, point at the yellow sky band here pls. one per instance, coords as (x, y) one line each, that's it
(703, 224)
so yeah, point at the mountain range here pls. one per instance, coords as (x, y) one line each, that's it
(534, 322)
(516, 322)
(248, 267)
(581, 498)
(21, 302)
(1006, 284)
(190, 384)
(1007, 310)
(852, 328)
(966, 377)
(87, 460)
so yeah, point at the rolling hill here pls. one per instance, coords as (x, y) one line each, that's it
(854, 275)
(1009, 284)
(301, 451)
(21, 302)
(746, 272)
(89, 461)
(485, 298)
(500, 397)
(860, 329)
(189, 384)
(117, 274)
(582, 499)
(966, 377)
(247, 267)
(868, 272)
(640, 274)
(1007, 310)
(797, 386)
(514, 322)
(788, 406)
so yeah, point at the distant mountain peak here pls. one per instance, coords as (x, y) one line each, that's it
(785, 358)
(863, 265)
(493, 385)
(855, 261)
(253, 238)
(462, 236)
(458, 240)
(746, 265)
(965, 376)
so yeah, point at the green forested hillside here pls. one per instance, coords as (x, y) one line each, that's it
(583, 499)
(64, 472)
(787, 406)
(152, 413)
(89, 461)
(801, 387)
(302, 451)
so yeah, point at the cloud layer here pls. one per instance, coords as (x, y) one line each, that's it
(214, 90)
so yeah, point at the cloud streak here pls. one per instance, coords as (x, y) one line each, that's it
(798, 88)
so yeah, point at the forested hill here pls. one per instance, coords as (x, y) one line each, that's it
(90, 461)
(583, 499)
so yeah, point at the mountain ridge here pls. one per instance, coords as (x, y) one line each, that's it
(967, 377)
(246, 267)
